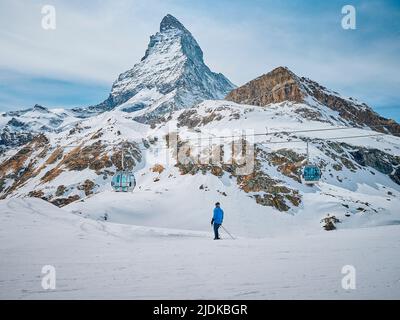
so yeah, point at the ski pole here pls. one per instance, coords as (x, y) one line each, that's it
(227, 232)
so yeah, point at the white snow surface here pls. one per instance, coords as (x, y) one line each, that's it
(97, 260)
(157, 243)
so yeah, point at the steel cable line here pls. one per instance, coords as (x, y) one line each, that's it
(261, 142)
(256, 134)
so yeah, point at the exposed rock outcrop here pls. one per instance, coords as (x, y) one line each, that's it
(281, 84)
(276, 86)
(380, 161)
(22, 166)
(266, 190)
(349, 109)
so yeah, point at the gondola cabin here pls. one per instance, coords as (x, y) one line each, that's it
(311, 174)
(123, 181)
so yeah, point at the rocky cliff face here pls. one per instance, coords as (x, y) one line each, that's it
(350, 109)
(276, 86)
(283, 85)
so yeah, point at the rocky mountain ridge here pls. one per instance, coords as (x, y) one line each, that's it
(281, 84)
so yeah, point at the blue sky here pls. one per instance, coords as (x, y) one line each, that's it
(94, 41)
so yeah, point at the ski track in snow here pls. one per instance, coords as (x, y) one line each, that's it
(95, 259)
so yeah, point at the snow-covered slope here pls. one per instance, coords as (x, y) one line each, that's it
(74, 162)
(360, 176)
(360, 195)
(104, 260)
(171, 75)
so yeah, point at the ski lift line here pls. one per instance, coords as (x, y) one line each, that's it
(359, 136)
(302, 141)
(268, 133)
(265, 142)
(326, 139)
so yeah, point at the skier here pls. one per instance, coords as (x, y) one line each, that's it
(217, 219)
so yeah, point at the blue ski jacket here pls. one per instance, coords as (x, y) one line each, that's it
(218, 215)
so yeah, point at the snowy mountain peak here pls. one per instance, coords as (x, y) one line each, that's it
(171, 75)
(173, 34)
(170, 22)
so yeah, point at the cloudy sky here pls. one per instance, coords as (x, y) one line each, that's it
(94, 41)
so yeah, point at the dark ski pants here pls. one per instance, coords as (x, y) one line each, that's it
(216, 227)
